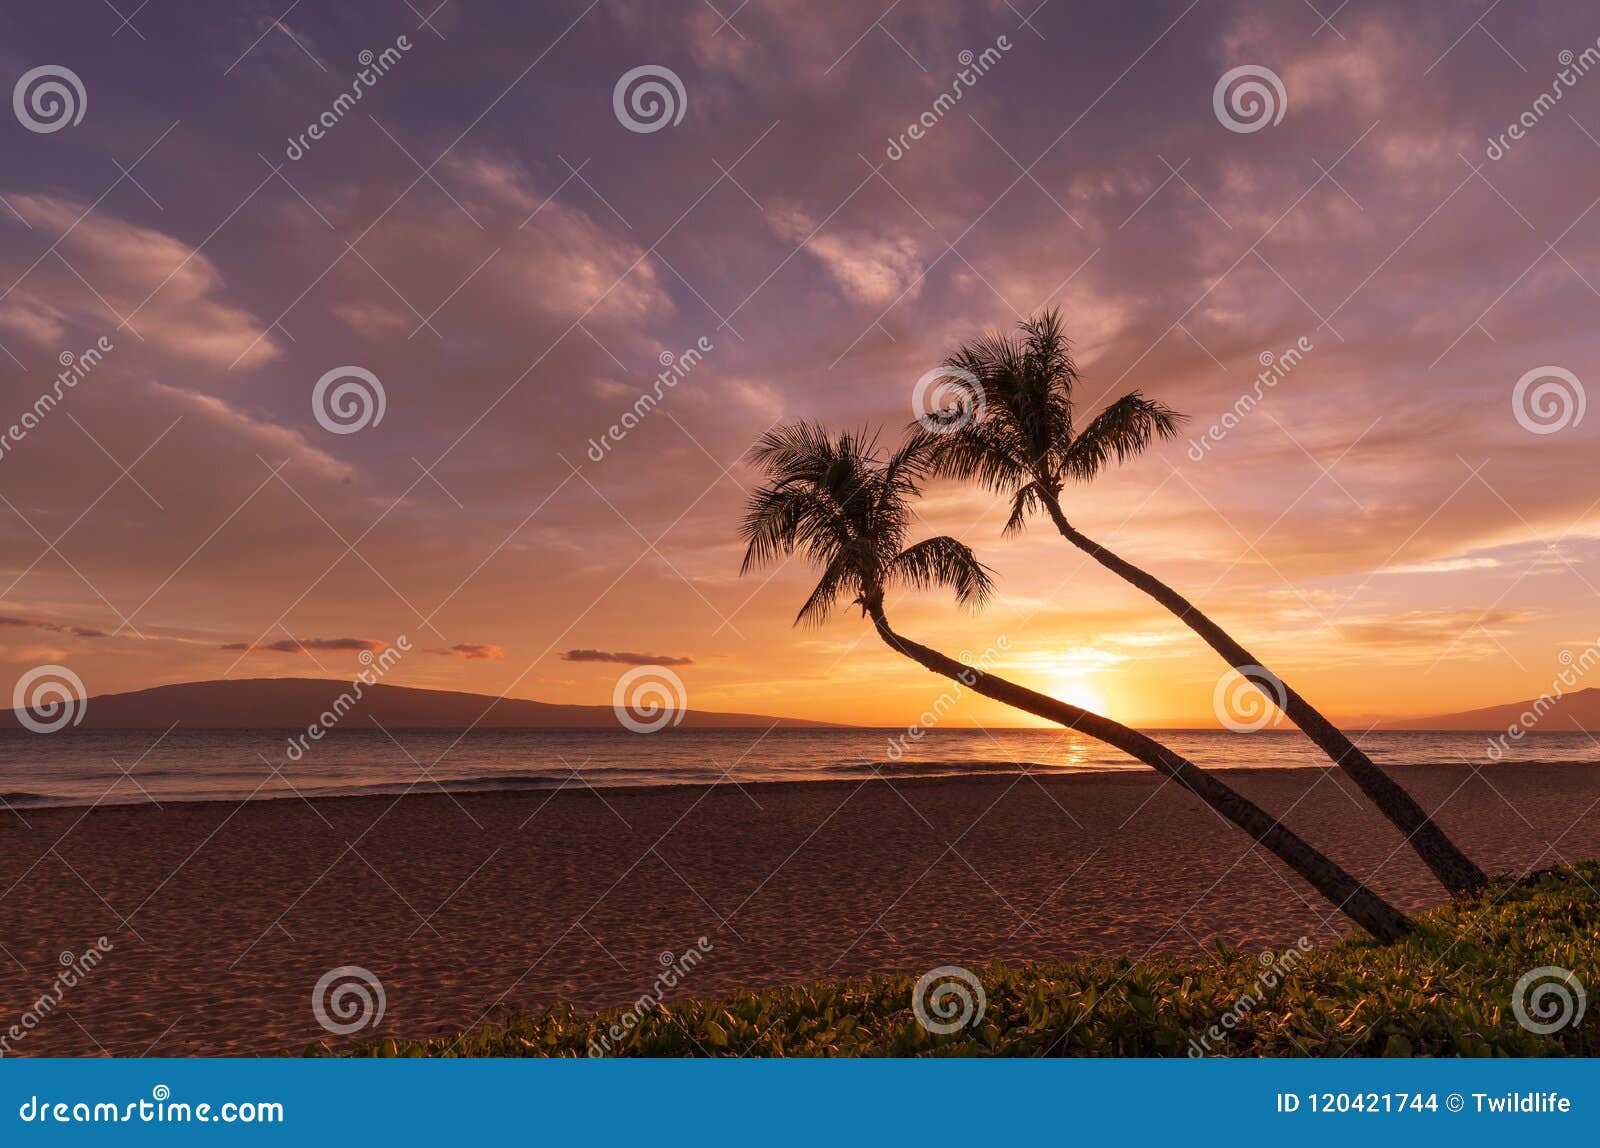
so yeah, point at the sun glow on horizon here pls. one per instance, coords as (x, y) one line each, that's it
(1077, 690)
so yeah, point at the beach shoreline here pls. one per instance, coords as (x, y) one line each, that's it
(221, 917)
(491, 785)
(81, 768)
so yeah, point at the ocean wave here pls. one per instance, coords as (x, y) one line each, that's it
(905, 768)
(490, 781)
(22, 797)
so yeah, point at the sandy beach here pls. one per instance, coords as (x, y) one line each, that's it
(222, 917)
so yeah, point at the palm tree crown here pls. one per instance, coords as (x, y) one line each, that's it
(1025, 443)
(846, 507)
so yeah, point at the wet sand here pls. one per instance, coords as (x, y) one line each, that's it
(221, 918)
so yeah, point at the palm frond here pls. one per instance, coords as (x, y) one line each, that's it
(1027, 382)
(793, 448)
(783, 518)
(1024, 502)
(943, 562)
(833, 499)
(833, 585)
(1048, 350)
(1122, 430)
(987, 451)
(909, 465)
(991, 353)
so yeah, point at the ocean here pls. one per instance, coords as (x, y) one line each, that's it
(125, 766)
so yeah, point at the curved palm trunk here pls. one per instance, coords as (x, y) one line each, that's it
(1455, 870)
(1348, 895)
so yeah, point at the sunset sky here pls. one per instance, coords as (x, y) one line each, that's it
(484, 235)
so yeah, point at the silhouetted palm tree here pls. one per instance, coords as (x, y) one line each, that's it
(837, 502)
(1024, 443)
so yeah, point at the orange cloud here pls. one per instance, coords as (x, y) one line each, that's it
(624, 658)
(473, 652)
(307, 645)
(53, 627)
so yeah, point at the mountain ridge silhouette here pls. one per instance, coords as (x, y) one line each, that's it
(294, 703)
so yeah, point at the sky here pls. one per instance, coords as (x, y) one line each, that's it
(504, 243)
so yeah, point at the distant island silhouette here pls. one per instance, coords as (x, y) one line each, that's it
(1570, 713)
(293, 703)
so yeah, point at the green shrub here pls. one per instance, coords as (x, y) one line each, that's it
(1445, 991)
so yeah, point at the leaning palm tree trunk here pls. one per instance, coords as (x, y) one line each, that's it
(1352, 898)
(1454, 869)
(1016, 435)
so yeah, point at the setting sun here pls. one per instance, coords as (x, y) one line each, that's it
(1078, 690)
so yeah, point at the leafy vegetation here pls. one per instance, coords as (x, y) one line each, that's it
(1444, 991)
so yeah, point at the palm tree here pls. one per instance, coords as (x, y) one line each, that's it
(835, 501)
(1024, 444)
